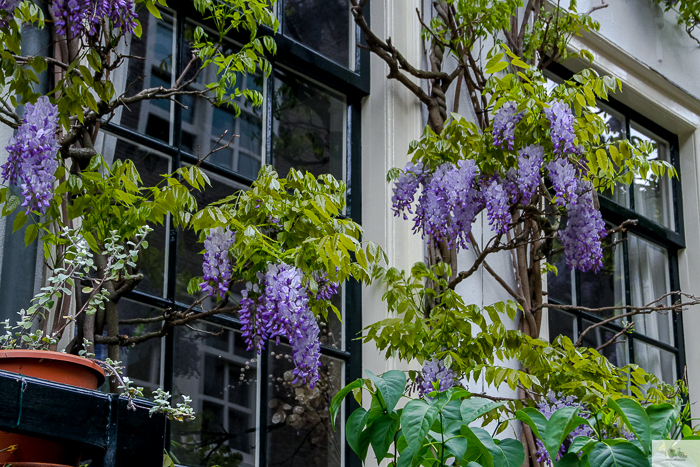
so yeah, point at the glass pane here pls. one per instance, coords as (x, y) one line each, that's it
(203, 125)
(151, 165)
(152, 67)
(653, 197)
(606, 287)
(617, 130)
(616, 349)
(656, 361)
(222, 381)
(561, 323)
(308, 130)
(560, 286)
(142, 361)
(300, 432)
(322, 25)
(189, 249)
(332, 329)
(649, 280)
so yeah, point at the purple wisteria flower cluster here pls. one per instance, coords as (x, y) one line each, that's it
(278, 306)
(584, 230)
(86, 16)
(435, 371)
(547, 407)
(497, 205)
(217, 263)
(504, 124)
(32, 160)
(9, 7)
(405, 189)
(562, 127)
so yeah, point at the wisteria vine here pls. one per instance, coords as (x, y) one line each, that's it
(86, 16)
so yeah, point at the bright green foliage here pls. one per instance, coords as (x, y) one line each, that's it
(688, 14)
(434, 431)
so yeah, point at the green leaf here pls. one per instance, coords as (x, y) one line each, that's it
(19, 222)
(416, 420)
(534, 419)
(391, 386)
(358, 439)
(513, 451)
(472, 409)
(569, 460)
(153, 9)
(558, 427)
(635, 417)
(382, 435)
(500, 66)
(579, 443)
(30, 234)
(661, 419)
(624, 454)
(457, 446)
(337, 401)
(405, 458)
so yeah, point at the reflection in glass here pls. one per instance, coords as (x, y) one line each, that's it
(561, 323)
(607, 286)
(308, 131)
(150, 165)
(653, 197)
(560, 286)
(142, 361)
(300, 432)
(616, 349)
(616, 131)
(203, 125)
(322, 25)
(649, 280)
(332, 329)
(212, 366)
(152, 67)
(189, 249)
(656, 361)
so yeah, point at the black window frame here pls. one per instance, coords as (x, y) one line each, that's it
(354, 85)
(673, 240)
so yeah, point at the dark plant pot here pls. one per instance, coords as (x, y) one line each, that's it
(29, 451)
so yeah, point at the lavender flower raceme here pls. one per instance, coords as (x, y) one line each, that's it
(562, 127)
(547, 407)
(528, 178)
(217, 265)
(326, 287)
(281, 309)
(79, 16)
(504, 124)
(584, 231)
(563, 176)
(497, 205)
(9, 7)
(435, 371)
(32, 152)
(405, 189)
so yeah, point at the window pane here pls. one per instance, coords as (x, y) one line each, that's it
(560, 286)
(649, 280)
(617, 130)
(300, 432)
(325, 26)
(150, 165)
(561, 323)
(656, 361)
(203, 125)
(142, 361)
(222, 381)
(332, 329)
(616, 351)
(653, 197)
(606, 287)
(189, 249)
(308, 129)
(152, 68)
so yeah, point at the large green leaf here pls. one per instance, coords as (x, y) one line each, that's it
(579, 443)
(619, 455)
(358, 439)
(569, 460)
(473, 408)
(661, 418)
(391, 385)
(499, 457)
(513, 451)
(405, 458)
(534, 419)
(382, 434)
(476, 451)
(636, 419)
(558, 427)
(416, 420)
(337, 401)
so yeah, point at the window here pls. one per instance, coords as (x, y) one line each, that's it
(639, 264)
(249, 410)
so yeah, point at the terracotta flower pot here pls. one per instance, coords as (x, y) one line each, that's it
(32, 451)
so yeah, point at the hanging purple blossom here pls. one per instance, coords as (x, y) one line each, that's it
(326, 287)
(449, 203)
(434, 371)
(281, 309)
(405, 189)
(584, 231)
(9, 7)
(79, 16)
(497, 205)
(547, 407)
(563, 176)
(32, 160)
(504, 124)
(562, 127)
(530, 161)
(217, 264)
